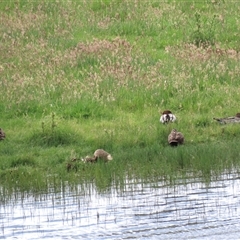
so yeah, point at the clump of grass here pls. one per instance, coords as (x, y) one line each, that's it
(60, 137)
(204, 32)
(52, 135)
(24, 160)
(23, 179)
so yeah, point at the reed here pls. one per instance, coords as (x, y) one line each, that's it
(78, 76)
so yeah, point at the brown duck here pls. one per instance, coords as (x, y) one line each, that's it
(235, 119)
(175, 138)
(99, 153)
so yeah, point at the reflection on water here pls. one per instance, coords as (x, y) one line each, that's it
(141, 211)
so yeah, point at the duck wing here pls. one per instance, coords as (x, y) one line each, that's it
(172, 137)
(180, 137)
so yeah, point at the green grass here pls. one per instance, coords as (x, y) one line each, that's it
(77, 76)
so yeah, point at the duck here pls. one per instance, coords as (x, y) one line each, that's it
(175, 138)
(2, 134)
(89, 159)
(98, 154)
(167, 116)
(234, 119)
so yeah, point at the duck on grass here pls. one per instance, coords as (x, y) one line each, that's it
(98, 154)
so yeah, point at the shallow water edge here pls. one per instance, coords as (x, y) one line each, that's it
(142, 211)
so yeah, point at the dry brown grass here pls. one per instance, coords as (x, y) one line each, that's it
(192, 53)
(37, 69)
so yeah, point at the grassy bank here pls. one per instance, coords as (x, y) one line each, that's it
(77, 76)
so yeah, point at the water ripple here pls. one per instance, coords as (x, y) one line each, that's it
(141, 211)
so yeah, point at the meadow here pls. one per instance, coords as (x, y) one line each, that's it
(76, 76)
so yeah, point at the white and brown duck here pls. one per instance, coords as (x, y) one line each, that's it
(234, 119)
(167, 116)
(175, 138)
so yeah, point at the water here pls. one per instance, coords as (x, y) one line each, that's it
(141, 211)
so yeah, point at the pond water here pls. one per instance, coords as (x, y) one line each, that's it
(140, 211)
